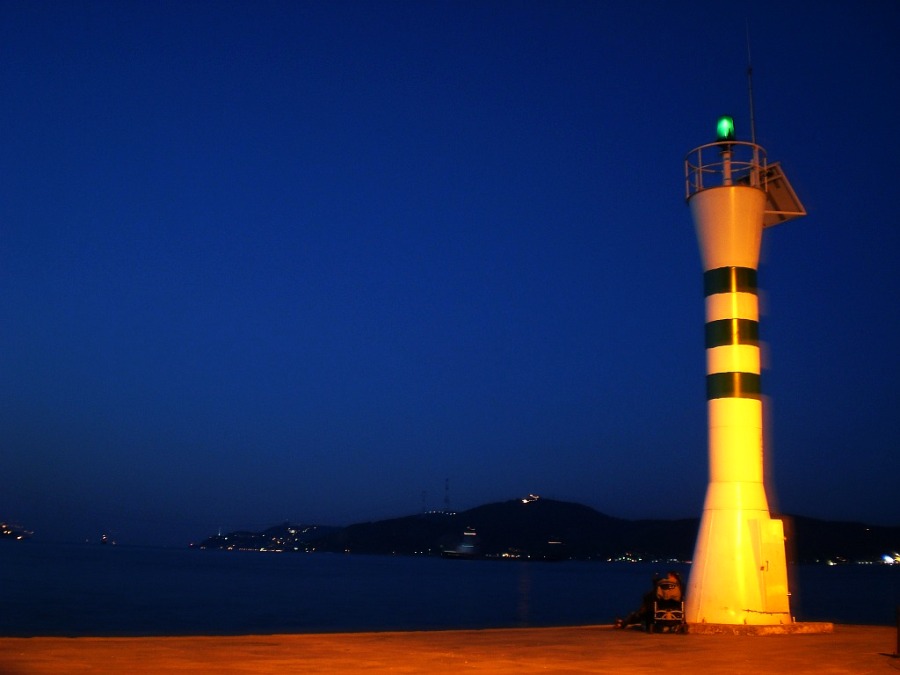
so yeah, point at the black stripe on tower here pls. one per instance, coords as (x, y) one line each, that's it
(733, 385)
(729, 280)
(722, 332)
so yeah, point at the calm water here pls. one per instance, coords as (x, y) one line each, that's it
(53, 589)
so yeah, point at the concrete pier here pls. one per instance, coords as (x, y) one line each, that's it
(580, 649)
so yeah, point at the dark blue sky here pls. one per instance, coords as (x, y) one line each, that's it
(310, 260)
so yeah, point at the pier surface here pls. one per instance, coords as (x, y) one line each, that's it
(580, 649)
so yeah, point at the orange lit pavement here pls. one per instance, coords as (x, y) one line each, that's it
(582, 649)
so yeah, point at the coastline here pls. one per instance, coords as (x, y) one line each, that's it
(581, 649)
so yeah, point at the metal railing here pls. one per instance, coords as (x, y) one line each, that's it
(724, 163)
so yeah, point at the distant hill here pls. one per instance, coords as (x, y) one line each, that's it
(810, 540)
(545, 529)
(528, 528)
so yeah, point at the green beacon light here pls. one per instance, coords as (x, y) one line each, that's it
(725, 129)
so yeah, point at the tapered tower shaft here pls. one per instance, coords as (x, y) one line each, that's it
(739, 572)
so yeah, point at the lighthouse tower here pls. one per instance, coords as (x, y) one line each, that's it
(739, 572)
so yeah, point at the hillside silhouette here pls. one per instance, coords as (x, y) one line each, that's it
(534, 528)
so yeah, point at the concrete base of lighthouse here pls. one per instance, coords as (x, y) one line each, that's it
(739, 570)
(739, 573)
(798, 628)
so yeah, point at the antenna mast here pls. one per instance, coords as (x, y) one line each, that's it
(750, 87)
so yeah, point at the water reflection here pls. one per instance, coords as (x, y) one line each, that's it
(523, 597)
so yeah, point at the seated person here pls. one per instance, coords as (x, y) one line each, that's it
(668, 588)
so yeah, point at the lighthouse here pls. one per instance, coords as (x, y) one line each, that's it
(739, 571)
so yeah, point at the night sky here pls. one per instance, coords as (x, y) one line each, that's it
(316, 261)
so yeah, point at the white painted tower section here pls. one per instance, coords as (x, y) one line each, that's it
(739, 572)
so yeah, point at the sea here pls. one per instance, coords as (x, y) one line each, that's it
(52, 589)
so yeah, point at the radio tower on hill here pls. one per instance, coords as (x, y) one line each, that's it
(446, 495)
